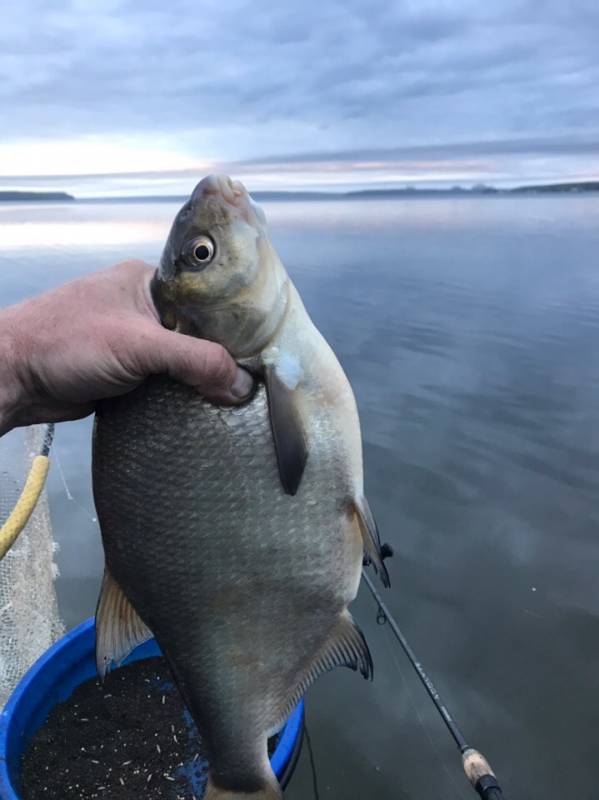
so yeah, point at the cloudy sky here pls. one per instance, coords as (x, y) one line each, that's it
(124, 97)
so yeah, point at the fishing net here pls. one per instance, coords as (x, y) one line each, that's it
(29, 619)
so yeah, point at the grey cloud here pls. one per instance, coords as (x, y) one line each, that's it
(238, 81)
(442, 153)
(543, 146)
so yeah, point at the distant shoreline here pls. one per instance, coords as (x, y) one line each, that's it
(36, 197)
(363, 194)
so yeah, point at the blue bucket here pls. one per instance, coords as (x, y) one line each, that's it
(54, 677)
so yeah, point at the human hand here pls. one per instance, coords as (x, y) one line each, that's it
(96, 337)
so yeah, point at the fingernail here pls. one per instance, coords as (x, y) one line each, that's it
(242, 385)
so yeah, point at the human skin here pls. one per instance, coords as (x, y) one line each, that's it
(97, 337)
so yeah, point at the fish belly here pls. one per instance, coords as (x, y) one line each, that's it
(240, 583)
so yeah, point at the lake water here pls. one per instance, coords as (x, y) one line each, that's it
(469, 328)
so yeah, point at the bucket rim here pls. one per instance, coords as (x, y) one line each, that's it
(75, 644)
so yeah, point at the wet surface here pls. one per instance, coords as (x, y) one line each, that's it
(469, 328)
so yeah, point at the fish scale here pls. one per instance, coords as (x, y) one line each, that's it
(246, 532)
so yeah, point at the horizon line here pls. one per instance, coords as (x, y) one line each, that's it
(406, 189)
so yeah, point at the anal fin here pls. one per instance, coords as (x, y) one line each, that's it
(345, 647)
(119, 628)
(370, 538)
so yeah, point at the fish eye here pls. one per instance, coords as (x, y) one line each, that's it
(201, 250)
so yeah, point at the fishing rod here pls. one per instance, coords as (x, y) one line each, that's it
(477, 768)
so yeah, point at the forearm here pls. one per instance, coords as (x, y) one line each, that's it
(11, 388)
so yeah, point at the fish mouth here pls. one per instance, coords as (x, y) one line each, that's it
(233, 194)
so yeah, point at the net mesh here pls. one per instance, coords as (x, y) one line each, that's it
(29, 619)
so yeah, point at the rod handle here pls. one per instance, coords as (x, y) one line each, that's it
(481, 776)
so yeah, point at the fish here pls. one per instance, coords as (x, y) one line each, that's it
(235, 535)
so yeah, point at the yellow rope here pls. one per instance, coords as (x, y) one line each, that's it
(20, 514)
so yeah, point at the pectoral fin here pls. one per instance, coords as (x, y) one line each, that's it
(371, 538)
(287, 430)
(119, 629)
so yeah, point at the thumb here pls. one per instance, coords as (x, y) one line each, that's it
(205, 365)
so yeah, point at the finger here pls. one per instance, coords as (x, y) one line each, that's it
(206, 366)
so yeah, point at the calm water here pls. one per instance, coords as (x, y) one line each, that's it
(469, 328)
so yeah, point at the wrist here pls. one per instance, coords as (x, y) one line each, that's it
(11, 386)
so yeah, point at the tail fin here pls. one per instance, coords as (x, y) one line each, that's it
(270, 791)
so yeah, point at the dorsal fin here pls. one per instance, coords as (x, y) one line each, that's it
(119, 628)
(370, 537)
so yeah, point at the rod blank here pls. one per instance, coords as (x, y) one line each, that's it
(477, 768)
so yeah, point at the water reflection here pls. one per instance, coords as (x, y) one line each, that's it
(24, 226)
(469, 329)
